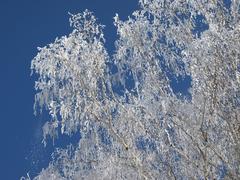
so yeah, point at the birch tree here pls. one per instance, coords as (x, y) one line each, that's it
(132, 123)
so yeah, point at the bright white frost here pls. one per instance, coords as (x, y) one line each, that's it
(69, 70)
(146, 131)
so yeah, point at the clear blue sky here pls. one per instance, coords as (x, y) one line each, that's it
(26, 25)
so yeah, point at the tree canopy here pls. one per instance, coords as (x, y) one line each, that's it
(132, 123)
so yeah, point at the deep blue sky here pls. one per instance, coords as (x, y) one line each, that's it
(26, 25)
